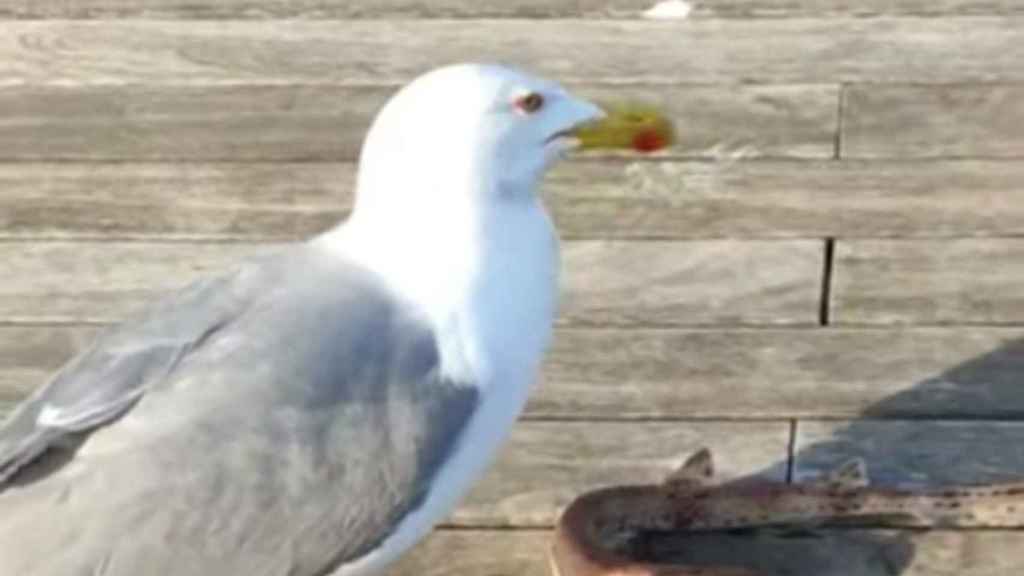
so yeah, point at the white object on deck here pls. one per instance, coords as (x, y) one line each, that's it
(669, 10)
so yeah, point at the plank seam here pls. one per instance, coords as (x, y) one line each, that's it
(257, 239)
(834, 328)
(824, 313)
(837, 153)
(1014, 418)
(204, 14)
(791, 450)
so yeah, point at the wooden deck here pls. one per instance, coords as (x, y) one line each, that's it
(831, 263)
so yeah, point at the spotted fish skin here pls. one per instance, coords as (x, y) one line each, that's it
(592, 533)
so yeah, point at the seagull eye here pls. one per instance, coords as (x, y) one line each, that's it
(530, 103)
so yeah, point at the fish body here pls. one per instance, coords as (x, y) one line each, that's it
(594, 533)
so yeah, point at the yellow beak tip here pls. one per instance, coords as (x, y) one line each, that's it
(628, 126)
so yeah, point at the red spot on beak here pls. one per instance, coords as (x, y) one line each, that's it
(649, 141)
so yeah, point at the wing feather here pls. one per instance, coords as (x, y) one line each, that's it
(105, 380)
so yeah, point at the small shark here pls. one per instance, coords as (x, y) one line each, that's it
(594, 535)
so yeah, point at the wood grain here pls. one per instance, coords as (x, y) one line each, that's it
(914, 453)
(974, 281)
(361, 52)
(712, 282)
(534, 9)
(281, 123)
(109, 201)
(601, 199)
(686, 283)
(707, 373)
(786, 199)
(478, 553)
(934, 121)
(233, 123)
(545, 464)
(101, 282)
(924, 372)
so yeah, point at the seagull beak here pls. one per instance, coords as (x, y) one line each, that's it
(626, 126)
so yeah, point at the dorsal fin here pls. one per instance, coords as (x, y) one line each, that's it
(850, 474)
(697, 470)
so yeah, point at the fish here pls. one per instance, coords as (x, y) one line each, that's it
(596, 534)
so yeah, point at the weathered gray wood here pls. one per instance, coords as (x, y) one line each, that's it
(720, 373)
(934, 121)
(186, 122)
(172, 201)
(375, 52)
(773, 199)
(914, 453)
(329, 122)
(834, 553)
(478, 553)
(658, 283)
(546, 464)
(845, 8)
(674, 283)
(928, 372)
(331, 9)
(100, 282)
(589, 199)
(929, 281)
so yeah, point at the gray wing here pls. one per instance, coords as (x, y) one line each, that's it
(108, 377)
(289, 434)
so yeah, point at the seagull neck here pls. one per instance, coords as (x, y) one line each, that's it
(429, 260)
(486, 279)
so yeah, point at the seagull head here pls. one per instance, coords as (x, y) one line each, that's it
(476, 130)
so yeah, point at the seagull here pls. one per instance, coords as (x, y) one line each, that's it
(317, 409)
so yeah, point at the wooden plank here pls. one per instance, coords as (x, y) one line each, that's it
(914, 453)
(546, 464)
(236, 123)
(101, 282)
(933, 121)
(712, 282)
(707, 373)
(172, 201)
(589, 199)
(209, 123)
(380, 9)
(360, 52)
(624, 283)
(929, 281)
(926, 372)
(478, 552)
(786, 199)
(844, 9)
(828, 553)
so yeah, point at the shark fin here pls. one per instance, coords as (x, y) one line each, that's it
(697, 470)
